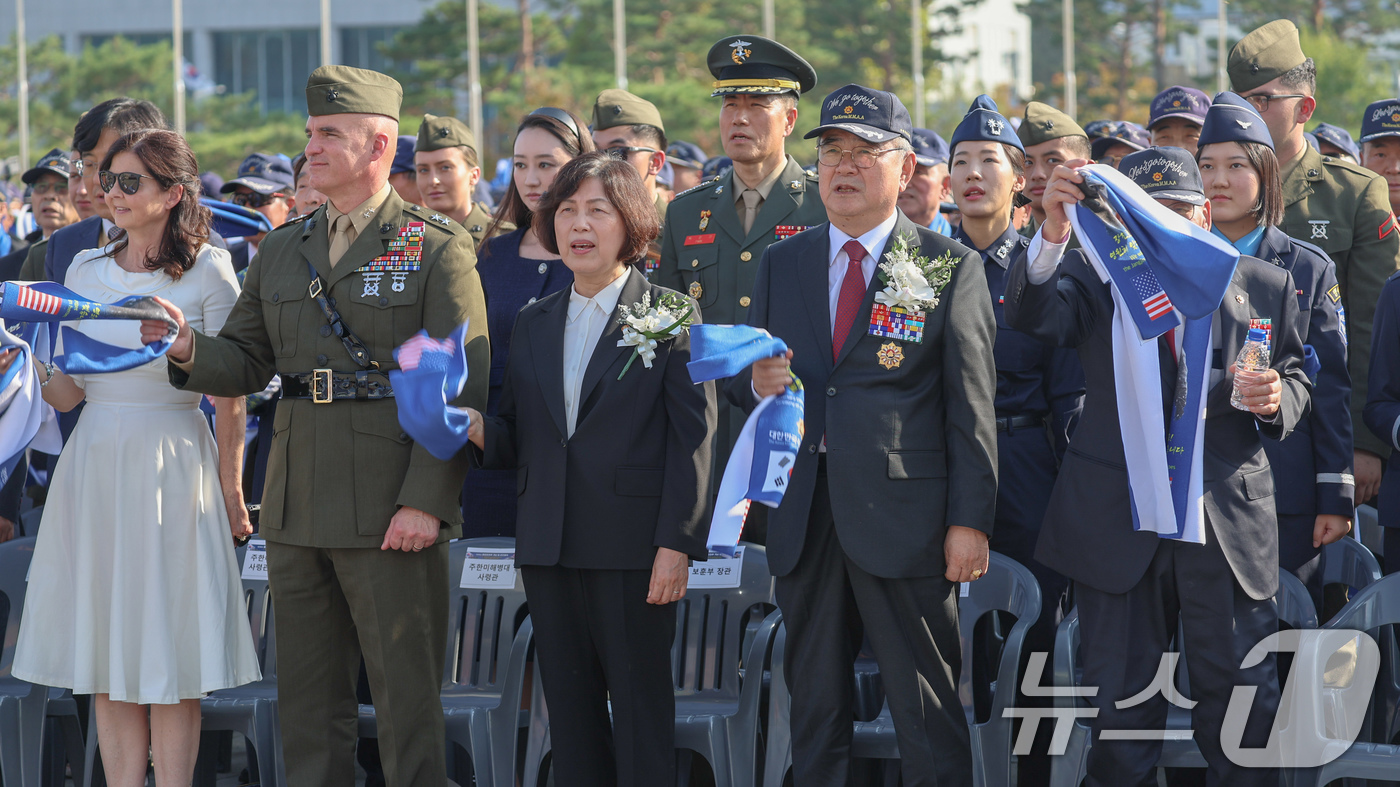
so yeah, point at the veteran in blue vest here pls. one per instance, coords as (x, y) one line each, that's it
(1145, 558)
(357, 515)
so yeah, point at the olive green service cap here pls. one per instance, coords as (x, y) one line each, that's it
(1264, 55)
(339, 90)
(754, 64)
(438, 133)
(1043, 123)
(616, 107)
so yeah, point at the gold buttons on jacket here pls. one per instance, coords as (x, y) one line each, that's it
(744, 301)
(746, 256)
(694, 263)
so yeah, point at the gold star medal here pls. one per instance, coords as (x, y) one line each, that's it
(696, 290)
(890, 355)
(704, 219)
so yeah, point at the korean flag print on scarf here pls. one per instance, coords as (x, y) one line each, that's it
(1165, 271)
(761, 463)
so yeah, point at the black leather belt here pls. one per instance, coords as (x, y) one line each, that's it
(323, 386)
(1015, 422)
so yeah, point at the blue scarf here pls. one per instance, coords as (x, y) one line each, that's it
(432, 373)
(760, 466)
(30, 308)
(1165, 271)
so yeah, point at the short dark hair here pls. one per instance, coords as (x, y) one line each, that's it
(1302, 77)
(624, 189)
(1076, 144)
(171, 163)
(513, 208)
(298, 161)
(1268, 208)
(122, 115)
(650, 134)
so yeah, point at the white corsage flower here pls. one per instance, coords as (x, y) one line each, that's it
(645, 324)
(912, 282)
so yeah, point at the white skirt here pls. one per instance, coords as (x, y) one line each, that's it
(134, 589)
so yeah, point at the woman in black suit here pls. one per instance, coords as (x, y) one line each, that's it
(612, 481)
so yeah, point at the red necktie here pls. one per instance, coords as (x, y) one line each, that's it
(852, 296)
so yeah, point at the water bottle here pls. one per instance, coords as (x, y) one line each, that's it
(1252, 361)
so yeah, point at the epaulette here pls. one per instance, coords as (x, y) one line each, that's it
(1354, 169)
(434, 220)
(697, 187)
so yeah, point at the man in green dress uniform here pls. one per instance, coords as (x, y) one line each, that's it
(629, 128)
(1051, 138)
(716, 233)
(356, 515)
(1328, 202)
(447, 168)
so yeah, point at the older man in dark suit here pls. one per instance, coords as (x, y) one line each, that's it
(870, 535)
(1133, 587)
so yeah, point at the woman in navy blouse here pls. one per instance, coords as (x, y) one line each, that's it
(516, 271)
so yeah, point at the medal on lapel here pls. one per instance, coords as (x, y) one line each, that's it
(787, 230)
(403, 257)
(890, 355)
(704, 220)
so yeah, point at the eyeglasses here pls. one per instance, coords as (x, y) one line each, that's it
(253, 200)
(864, 158)
(75, 168)
(129, 181)
(621, 152)
(58, 187)
(1261, 100)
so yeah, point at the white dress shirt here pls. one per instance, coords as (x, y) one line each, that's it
(587, 319)
(874, 243)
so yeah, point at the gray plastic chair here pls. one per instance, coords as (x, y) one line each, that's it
(1375, 610)
(717, 693)
(1295, 608)
(251, 710)
(1007, 587)
(21, 704)
(484, 670)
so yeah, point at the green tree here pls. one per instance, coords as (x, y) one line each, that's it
(222, 129)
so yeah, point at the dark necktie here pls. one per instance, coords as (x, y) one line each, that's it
(851, 297)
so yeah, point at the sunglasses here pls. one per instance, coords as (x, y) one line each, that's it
(252, 200)
(129, 181)
(621, 153)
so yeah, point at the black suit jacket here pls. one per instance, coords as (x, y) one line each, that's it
(1088, 532)
(635, 474)
(910, 449)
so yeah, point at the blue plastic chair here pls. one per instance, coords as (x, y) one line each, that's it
(484, 669)
(21, 703)
(718, 677)
(1008, 587)
(1295, 608)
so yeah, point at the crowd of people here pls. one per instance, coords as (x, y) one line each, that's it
(995, 406)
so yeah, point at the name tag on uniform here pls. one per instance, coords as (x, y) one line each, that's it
(719, 571)
(698, 240)
(489, 568)
(255, 560)
(787, 230)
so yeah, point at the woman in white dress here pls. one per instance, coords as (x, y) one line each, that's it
(134, 593)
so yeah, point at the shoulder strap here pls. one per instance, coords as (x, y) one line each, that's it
(358, 352)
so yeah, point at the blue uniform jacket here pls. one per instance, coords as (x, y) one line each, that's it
(1382, 413)
(1313, 468)
(1033, 378)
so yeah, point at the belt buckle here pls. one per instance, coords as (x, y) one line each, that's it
(321, 382)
